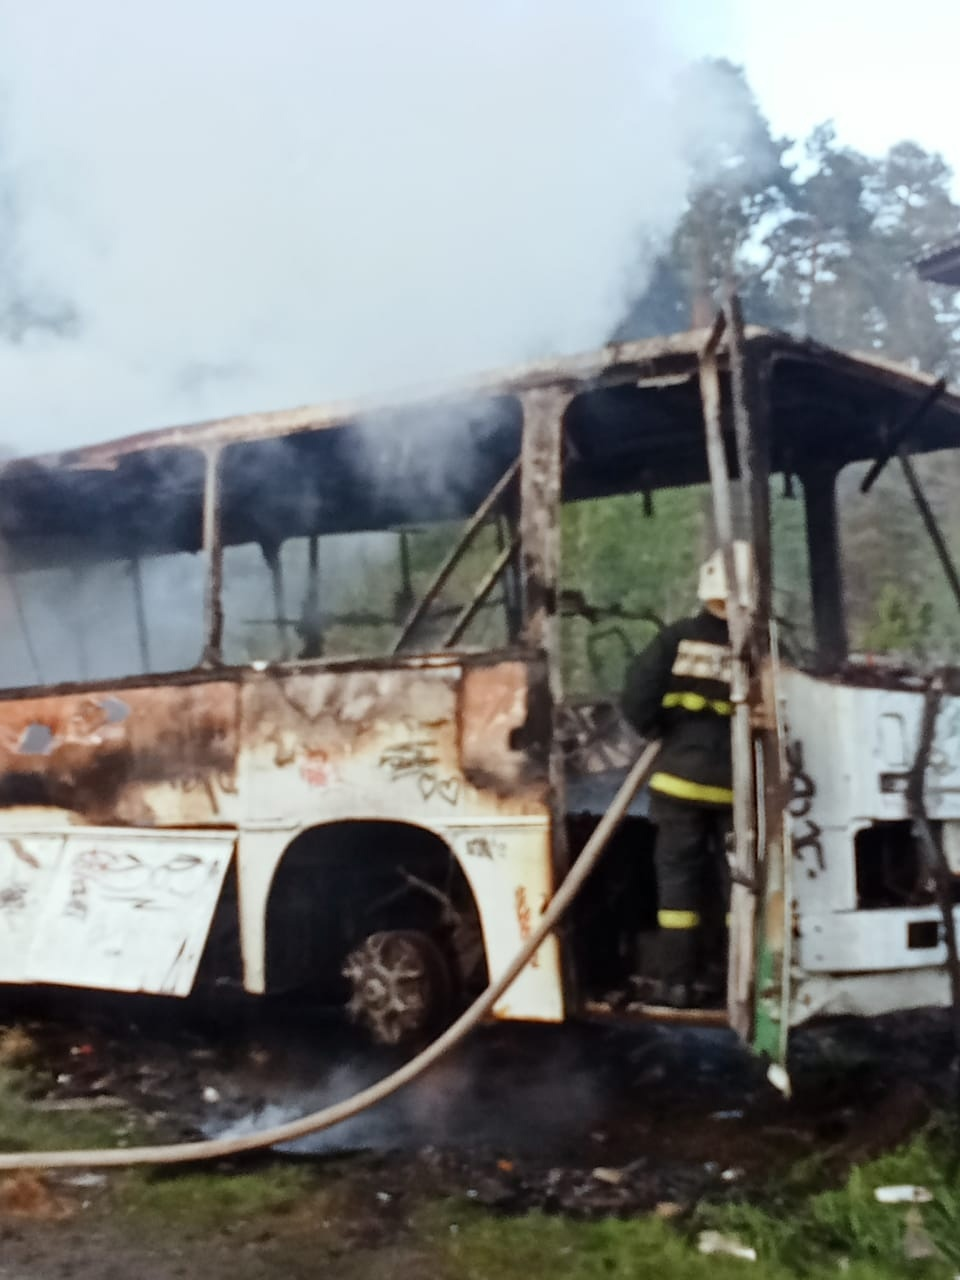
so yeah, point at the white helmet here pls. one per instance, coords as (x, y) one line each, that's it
(713, 576)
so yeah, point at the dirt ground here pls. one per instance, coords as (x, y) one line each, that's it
(579, 1122)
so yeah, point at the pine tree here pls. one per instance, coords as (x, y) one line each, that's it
(824, 248)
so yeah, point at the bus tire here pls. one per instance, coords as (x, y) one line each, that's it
(400, 986)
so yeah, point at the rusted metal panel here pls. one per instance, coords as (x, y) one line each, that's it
(154, 756)
(109, 910)
(430, 743)
(432, 746)
(495, 712)
(508, 869)
(397, 744)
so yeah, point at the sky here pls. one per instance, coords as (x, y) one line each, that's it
(255, 205)
(882, 69)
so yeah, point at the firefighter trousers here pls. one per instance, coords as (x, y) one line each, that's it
(693, 883)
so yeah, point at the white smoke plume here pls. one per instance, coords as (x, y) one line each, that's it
(526, 1091)
(252, 206)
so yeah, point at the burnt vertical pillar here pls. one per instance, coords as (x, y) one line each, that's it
(826, 580)
(213, 550)
(541, 464)
(541, 471)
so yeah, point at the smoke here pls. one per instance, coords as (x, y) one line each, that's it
(531, 1093)
(253, 206)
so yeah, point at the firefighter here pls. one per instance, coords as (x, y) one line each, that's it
(678, 689)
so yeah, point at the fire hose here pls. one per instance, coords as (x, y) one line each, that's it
(291, 1130)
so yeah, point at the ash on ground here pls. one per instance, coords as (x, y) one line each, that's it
(585, 1120)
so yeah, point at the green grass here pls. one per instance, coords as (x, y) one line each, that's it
(200, 1197)
(473, 1245)
(23, 1127)
(480, 1247)
(799, 1230)
(813, 1230)
(213, 1198)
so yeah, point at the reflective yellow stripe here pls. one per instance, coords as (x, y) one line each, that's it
(678, 919)
(697, 702)
(681, 789)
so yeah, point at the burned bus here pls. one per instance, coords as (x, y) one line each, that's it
(328, 700)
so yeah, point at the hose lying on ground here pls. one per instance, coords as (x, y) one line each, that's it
(218, 1148)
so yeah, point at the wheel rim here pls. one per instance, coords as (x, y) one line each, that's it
(397, 986)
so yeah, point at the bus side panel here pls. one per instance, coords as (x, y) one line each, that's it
(436, 746)
(153, 756)
(107, 877)
(851, 749)
(508, 870)
(108, 909)
(428, 745)
(28, 865)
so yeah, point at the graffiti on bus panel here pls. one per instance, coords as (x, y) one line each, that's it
(158, 883)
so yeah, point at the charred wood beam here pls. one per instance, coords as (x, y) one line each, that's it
(442, 575)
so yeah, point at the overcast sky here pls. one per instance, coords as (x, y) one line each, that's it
(254, 204)
(882, 69)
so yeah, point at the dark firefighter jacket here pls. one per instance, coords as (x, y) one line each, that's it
(678, 689)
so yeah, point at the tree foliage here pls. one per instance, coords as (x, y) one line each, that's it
(819, 240)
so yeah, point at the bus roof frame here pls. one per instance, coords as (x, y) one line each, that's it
(654, 363)
(633, 422)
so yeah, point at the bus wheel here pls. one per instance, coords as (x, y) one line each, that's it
(400, 985)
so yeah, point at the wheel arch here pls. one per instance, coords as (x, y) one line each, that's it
(337, 881)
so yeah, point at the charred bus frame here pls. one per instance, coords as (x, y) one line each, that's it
(111, 777)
